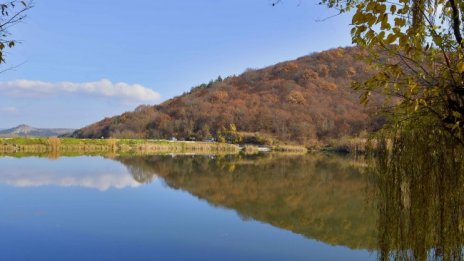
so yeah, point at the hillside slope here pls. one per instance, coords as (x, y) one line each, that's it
(298, 101)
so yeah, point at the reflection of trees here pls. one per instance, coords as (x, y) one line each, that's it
(320, 197)
(419, 187)
(141, 168)
(53, 155)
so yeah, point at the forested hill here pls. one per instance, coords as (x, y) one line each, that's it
(298, 101)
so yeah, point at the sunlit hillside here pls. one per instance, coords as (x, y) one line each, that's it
(301, 100)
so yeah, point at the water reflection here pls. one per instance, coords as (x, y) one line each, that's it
(318, 196)
(401, 210)
(88, 172)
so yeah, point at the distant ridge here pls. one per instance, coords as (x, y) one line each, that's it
(28, 131)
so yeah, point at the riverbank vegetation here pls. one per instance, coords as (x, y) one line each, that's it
(88, 146)
(66, 145)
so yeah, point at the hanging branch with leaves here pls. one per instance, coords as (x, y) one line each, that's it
(11, 13)
(418, 49)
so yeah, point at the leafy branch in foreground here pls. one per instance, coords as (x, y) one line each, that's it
(418, 49)
(11, 13)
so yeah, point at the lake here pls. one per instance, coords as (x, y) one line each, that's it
(166, 207)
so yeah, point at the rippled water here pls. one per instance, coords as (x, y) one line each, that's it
(264, 207)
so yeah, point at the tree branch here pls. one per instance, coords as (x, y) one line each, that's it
(456, 22)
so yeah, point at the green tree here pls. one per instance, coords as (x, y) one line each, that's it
(418, 50)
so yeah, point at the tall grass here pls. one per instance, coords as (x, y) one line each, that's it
(40, 145)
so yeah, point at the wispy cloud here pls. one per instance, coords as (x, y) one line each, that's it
(104, 88)
(11, 110)
(103, 181)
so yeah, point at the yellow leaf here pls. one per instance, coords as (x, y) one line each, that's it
(461, 67)
(390, 39)
(400, 22)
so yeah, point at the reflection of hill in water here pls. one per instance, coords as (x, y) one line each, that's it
(317, 196)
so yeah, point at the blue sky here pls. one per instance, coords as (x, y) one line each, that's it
(81, 61)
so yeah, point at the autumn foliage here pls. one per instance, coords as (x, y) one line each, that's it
(297, 101)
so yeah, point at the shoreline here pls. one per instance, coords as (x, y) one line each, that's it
(70, 145)
(151, 146)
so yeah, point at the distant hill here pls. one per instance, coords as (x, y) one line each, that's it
(25, 130)
(297, 101)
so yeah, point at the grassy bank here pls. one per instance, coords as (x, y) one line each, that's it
(69, 145)
(289, 148)
(356, 145)
(148, 146)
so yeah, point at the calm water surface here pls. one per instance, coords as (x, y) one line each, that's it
(185, 208)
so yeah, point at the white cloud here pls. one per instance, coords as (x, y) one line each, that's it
(11, 110)
(103, 88)
(42, 172)
(100, 181)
